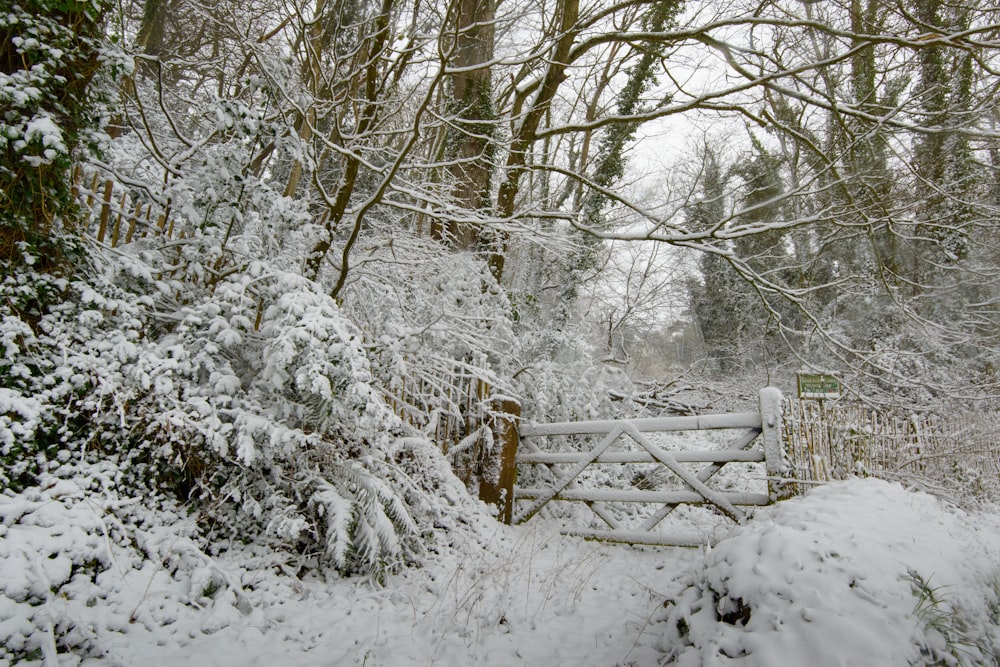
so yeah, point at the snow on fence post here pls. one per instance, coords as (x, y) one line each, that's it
(771, 402)
(496, 486)
(116, 231)
(109, 188)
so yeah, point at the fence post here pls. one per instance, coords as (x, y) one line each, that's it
(496, 486)
(109, 188)
(116, 232)
(771, 402)
(132, 223)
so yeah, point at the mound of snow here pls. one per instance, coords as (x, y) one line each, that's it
(854, 573)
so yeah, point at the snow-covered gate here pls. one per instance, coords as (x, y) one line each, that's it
(762, 427)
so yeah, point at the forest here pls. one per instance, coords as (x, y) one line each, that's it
(272, 265)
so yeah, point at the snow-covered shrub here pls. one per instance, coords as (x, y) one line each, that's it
(856, 568)
(220, 209)
(84, 561)
(255, 400)
(64, 347)
(140, 433)
(260, 397)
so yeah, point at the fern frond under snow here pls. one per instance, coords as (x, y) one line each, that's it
(335, 511)
(362, 519)
(375, 542)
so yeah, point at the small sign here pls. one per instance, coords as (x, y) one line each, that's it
(818, 385)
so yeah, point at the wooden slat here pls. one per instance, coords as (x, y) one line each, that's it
(116, 230)
(132, 222)
(109, 188)
(649, 425)
(601, 510)
(713, 456)
(640, 537)
(640, 496)
(93, 190)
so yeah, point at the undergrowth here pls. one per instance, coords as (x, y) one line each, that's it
(268, 424)
(948, 632)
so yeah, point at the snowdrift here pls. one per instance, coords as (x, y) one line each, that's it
(854, 573)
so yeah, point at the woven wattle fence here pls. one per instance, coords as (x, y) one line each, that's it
(957, 453)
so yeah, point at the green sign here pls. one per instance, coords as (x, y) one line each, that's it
(818, 385)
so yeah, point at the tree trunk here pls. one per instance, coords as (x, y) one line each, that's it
(469, 141)
(568, 12)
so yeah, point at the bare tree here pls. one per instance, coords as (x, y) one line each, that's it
(508, 131)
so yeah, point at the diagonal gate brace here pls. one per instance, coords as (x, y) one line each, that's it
(563, 482)
(713, 497)
(705, 474)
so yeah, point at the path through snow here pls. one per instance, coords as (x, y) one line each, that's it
(533, 597)
(854, 573)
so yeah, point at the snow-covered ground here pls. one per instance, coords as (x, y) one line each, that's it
(854, 573)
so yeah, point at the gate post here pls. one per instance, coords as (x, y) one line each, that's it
(771, 410)
(496, 486)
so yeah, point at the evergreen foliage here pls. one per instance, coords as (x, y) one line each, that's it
(276, 432)
(50, 53)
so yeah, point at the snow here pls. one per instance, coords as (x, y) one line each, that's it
(855, 573)
(860, 572)
(26, 408)
(45, 129)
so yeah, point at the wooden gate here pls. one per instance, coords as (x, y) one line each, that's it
(762, 426)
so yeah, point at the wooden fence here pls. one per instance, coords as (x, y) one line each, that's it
(118, 215)
(447, 405)
(118, 218)
(475, 428)
(958, 453)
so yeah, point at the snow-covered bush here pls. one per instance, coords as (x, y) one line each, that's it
(83, 561)
(270, 414)
(64, 347)
(255, 401)
(148, 427)
(857, 568)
